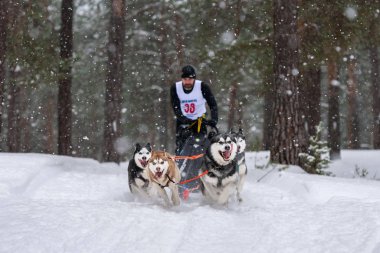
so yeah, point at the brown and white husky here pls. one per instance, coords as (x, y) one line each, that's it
(163, 172)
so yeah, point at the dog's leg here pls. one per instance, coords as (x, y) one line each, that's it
(211, 193)
(240, 187)
(140, 192)
(242, 176)
(224, 195)
(161, 191)
(175, 194)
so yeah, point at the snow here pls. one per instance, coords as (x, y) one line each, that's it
(227, 37)
(62, 204)
(350, 13)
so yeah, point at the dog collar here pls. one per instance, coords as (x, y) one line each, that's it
(163, 186)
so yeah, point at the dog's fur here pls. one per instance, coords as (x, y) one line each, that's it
(240, 157)
(163, 172)
(220, 183)
(138, 179)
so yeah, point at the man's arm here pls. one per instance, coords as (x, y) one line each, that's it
(176, 105)
(207, 94)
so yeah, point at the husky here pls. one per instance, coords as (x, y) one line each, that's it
(239, 139)
(163, 173)
(138, 179)
(221, 180)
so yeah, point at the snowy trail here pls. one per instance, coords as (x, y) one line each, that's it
(78, 205)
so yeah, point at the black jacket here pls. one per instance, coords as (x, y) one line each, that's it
(207, 94)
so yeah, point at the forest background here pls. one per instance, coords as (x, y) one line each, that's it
(91, 78)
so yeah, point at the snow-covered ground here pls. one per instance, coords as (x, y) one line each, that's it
(62, 204)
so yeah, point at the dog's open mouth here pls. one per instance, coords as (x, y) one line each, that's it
(158, 174)
(226, 154)
(143, 162)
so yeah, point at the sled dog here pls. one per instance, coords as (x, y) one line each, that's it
(220, 183)
(240, 159)
(163, 172)
(138, 179)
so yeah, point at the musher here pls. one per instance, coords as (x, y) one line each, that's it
(188, 98)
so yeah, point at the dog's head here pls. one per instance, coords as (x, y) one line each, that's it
(222, 149)
(142, 154)
(159, 164)
(239, 139)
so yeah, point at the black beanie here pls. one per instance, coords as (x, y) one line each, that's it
(188, 72)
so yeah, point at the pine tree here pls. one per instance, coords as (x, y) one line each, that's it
(316, 159)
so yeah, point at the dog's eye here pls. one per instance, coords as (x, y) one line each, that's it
(221, 143)
(154, 163)
(162, 162)
(229, 142)
(140, 153)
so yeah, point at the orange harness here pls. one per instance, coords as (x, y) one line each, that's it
(193, 157)
(187, 191)
(194, 178)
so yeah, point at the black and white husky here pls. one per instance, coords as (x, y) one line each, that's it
(239, 139)
(138, 179)
(221, 180)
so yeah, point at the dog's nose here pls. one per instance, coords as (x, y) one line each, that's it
(144, 158)
(158, 169)
(227, 147)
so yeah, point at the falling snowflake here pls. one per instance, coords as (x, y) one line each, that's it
(295, 72)
(227, 37)
(350, 13)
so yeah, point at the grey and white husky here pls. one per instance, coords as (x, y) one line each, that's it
(239, 139)
(221, 180)
(138, 179)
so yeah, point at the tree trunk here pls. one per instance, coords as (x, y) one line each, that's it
(49, 126)
(333, 114)
(268, 112)
(25, 121)
(311, 97)
(180, 47)
(232, 105)
(288, 138)
(240, 113)
(3, 40)
(164, 93)
(375, 89)
(64, 80)
(114, 81)
(13, 134)
(352, 115)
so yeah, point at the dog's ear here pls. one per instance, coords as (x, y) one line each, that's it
(170, 156)
(148, 146)
(137, 147)
(211, 135)
(240, 130)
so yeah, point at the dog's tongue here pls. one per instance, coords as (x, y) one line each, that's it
(158, 174)
(144, 162)
(226, 154)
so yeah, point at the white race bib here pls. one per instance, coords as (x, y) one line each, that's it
(193, 104)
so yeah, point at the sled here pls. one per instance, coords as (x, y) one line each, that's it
(195, 144)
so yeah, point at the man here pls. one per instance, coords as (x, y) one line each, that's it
(189, 97)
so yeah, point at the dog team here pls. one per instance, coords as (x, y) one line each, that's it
(222, 173)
